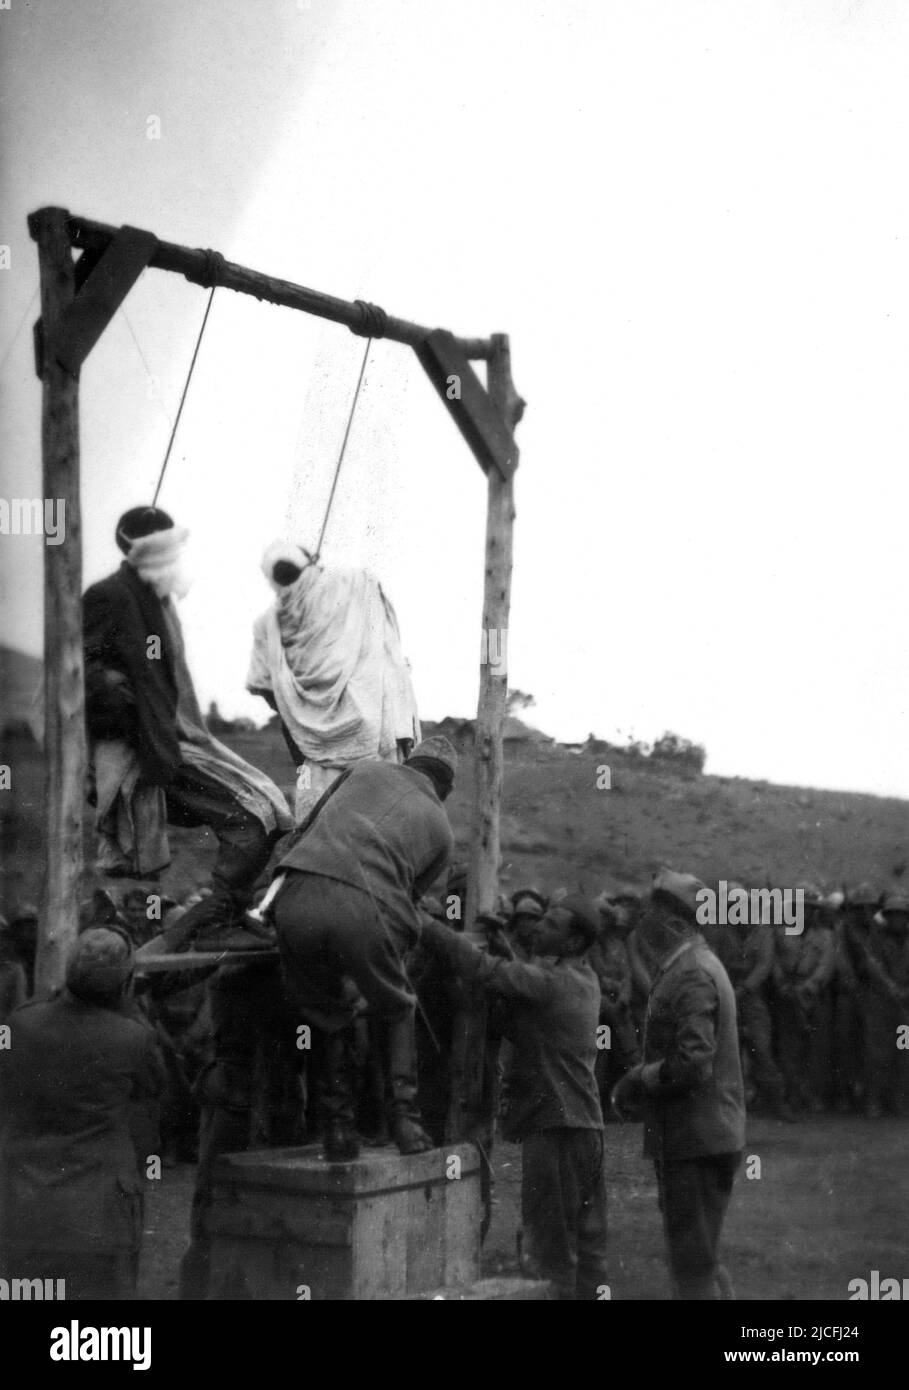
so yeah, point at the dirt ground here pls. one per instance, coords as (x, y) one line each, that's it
(831, 1204)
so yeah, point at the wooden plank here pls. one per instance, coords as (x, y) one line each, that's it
(474, 412)
(64, 699)
(106, 286)
(196, 960)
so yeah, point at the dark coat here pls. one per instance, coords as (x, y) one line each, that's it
(380, 828)
(119, 615)
(78, 1088)
(692, 1069)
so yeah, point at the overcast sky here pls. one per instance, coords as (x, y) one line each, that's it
(691, 216)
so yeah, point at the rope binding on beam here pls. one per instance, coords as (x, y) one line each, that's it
(213, 272)
(372, 321)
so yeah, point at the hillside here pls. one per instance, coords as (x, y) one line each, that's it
(558, 828)
(20, 688)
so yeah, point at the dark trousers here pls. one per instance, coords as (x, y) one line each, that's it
(885, 1065)
(244, 844)
(848, 1046)
(757, 1037)
(250, 1095)
(563, 1210)
(793, 1048)
(694, 1195)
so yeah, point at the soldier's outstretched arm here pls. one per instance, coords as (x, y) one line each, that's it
(512, 979)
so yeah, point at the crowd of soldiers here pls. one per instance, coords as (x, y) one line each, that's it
(818, 1010)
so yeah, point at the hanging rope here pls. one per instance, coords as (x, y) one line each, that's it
(334, 483)
(189, 376)
(15, 338)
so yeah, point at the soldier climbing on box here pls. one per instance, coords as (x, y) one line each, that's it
(346, 909)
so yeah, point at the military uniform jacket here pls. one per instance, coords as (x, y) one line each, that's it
(380, 828)
(804, 960)
(692, 1072)
(746, 954)
(78, 1087)
(550, 1013)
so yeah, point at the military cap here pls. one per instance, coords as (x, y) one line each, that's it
(585, 916)
(863, 896)
(679, 891)
(528, 902)
(99, 963)
(439, 750)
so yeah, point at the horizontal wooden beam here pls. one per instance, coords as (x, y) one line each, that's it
(207, 268)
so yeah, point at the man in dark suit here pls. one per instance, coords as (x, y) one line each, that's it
(78, 1091)
(154, 759)
(688, 1087)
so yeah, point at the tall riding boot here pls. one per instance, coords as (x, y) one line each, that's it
(407, 1125)
(340, 1139)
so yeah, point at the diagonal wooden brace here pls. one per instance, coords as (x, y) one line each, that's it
(105, 288)
(467, 402)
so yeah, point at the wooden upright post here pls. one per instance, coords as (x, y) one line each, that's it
(483, 867)
(64, 728)
(472, 1090)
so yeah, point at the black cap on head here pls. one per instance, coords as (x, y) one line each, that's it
(141, 521)
(99, 964)
(585, 918)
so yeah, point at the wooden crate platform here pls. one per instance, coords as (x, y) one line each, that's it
(286, 1225)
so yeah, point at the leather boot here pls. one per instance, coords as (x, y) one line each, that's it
(406, 1125)
(341, 1143)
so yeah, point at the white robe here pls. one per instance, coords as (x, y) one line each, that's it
(329, 650)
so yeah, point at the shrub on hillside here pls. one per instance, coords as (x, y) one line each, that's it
(679, 752)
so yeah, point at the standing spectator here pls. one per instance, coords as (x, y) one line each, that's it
(12, 974)
(688, 1088)
(850, 970)
(802, 970)
(78, 1090)
(746, 953)
(551, 1009)
(885, 1007)
(609, 958)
